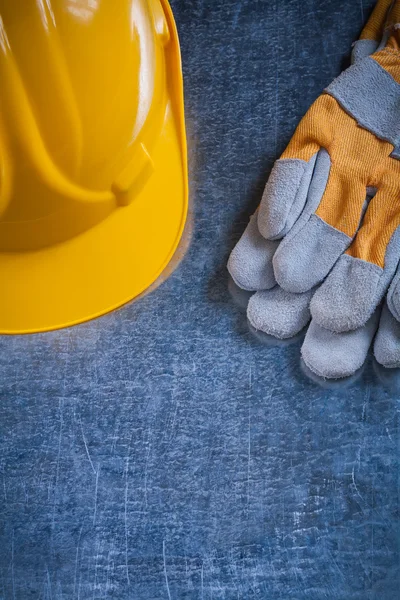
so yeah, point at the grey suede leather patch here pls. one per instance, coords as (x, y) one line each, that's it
(337, 355)
(295, 260)
(279, 313)
(316, 190)
(284, 196)
(362, 49)
(387, 341)
(306, 259)
(353, 290)
(371, 96)
(348, 296)
(250, 262)
(393, 296)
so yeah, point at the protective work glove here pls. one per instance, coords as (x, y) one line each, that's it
(330, 354)
(317, 189)
(322, 178)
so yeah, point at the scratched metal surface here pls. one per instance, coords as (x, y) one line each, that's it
(163, 452)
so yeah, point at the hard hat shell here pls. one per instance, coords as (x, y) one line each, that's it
(93, 171)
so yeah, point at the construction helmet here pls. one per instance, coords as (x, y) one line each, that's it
(93, 168)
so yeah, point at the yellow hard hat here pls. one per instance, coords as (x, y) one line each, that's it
(93, 167)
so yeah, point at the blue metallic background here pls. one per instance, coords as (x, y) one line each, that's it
(164, 452)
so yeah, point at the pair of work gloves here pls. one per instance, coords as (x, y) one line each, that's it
(324, 243)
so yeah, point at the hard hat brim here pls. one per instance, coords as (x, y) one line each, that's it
(118, 259)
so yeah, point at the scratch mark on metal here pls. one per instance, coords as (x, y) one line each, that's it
(355, 485)
(76, 560)
(174, 418)
(58, 461)
(86, 446)
(366, 401)
(126, 475)
(12, 565)
(95, 568)
(126, 531)
(95, 495)
(145, 474)
(249, 439)
(49, 587)
(165, 571)
(389, 436)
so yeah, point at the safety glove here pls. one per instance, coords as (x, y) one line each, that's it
(316, 192)
(250, 263)
(282, 313)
